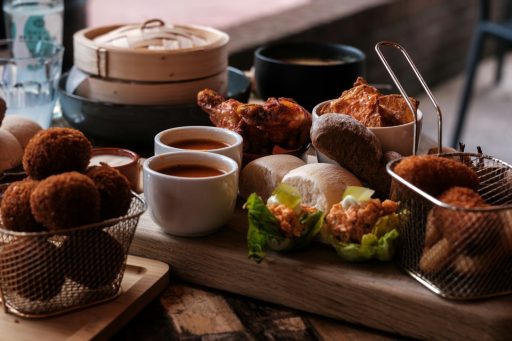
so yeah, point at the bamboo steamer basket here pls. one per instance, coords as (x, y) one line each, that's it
(149, 93)
(105, 60)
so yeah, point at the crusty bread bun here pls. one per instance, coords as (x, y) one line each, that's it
(261, 176)
(321, 184)
(12, 153)
(22, 128)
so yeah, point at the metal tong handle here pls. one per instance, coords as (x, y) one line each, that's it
(406, 97)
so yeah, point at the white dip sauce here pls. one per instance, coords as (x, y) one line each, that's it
(110, 159)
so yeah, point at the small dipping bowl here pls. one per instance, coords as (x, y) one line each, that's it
(124, 160)
(200, 138)
(185, 200)
(397, 138)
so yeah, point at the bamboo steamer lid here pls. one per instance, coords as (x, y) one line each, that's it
(151, 52)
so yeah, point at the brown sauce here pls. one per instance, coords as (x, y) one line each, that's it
(191, 171)
(198, 144)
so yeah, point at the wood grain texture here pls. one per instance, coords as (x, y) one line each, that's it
(376, 295)
(144, 279)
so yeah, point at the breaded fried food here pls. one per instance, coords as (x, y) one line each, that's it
(15, 207)
(434, 174)
(367, 105)
(475, 232)
(100, 261)
(31, 267)
(394, 110)
(65, 200)
(3, 109)
(114, 189)
(360, 102)
(56, 150)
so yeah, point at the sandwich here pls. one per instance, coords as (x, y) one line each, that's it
(361, 228)
(283, 223)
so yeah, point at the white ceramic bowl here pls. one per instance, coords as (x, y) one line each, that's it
(396, 138)
(234, 141)
(190, 206)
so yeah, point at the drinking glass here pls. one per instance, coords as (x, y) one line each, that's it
(34, 19)
(29, 73)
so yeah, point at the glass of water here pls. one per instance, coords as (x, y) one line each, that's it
(29, 73)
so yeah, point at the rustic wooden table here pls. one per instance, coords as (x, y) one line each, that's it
(189, 312)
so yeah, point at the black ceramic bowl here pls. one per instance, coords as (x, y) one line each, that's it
(135, 125)
(309, 73)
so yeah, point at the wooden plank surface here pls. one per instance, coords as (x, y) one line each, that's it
(143, 280)
(375, 295)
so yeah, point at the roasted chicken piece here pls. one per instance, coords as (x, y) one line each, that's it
(279, 121)
(367, 105)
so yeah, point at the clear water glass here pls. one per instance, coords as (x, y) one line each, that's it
(29, 73)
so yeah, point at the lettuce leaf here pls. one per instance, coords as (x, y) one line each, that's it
(264, 231)
(379, 244)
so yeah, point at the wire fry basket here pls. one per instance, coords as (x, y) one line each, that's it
(458, 253)
(44, 274)
(477, 261)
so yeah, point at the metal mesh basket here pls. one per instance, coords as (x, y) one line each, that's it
(48, 273)
(476, 261)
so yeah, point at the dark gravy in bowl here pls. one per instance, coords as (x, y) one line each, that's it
(191, 171)
(198, 144)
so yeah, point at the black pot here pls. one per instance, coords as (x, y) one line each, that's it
(309, 73)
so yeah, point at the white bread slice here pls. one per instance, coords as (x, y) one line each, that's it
(264, 174)
(321, 184)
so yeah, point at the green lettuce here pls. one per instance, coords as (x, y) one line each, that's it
(379, 244)
(264, 231)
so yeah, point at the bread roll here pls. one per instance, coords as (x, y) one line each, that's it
(321, 184)
(262, 175)
(22, 128)
(12, 153)
(349, 143)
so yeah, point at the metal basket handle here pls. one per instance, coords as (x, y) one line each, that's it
(406, 97)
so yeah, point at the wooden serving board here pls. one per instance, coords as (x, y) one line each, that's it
(143, 280)
(315, 280)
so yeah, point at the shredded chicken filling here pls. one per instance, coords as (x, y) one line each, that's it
(349, 225)
(289, 220)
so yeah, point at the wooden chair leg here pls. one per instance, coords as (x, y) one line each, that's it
(472, 63)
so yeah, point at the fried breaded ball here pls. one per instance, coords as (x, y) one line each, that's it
(472, 232)
(434, 174)
(15, 207)
(65, 200)
(31, 268)
(3, 108)
(114, 188)
(101, 258)
(56, 150)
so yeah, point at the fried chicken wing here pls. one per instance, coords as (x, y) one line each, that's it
(224, 113)
(286, 122)
(280, 121)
